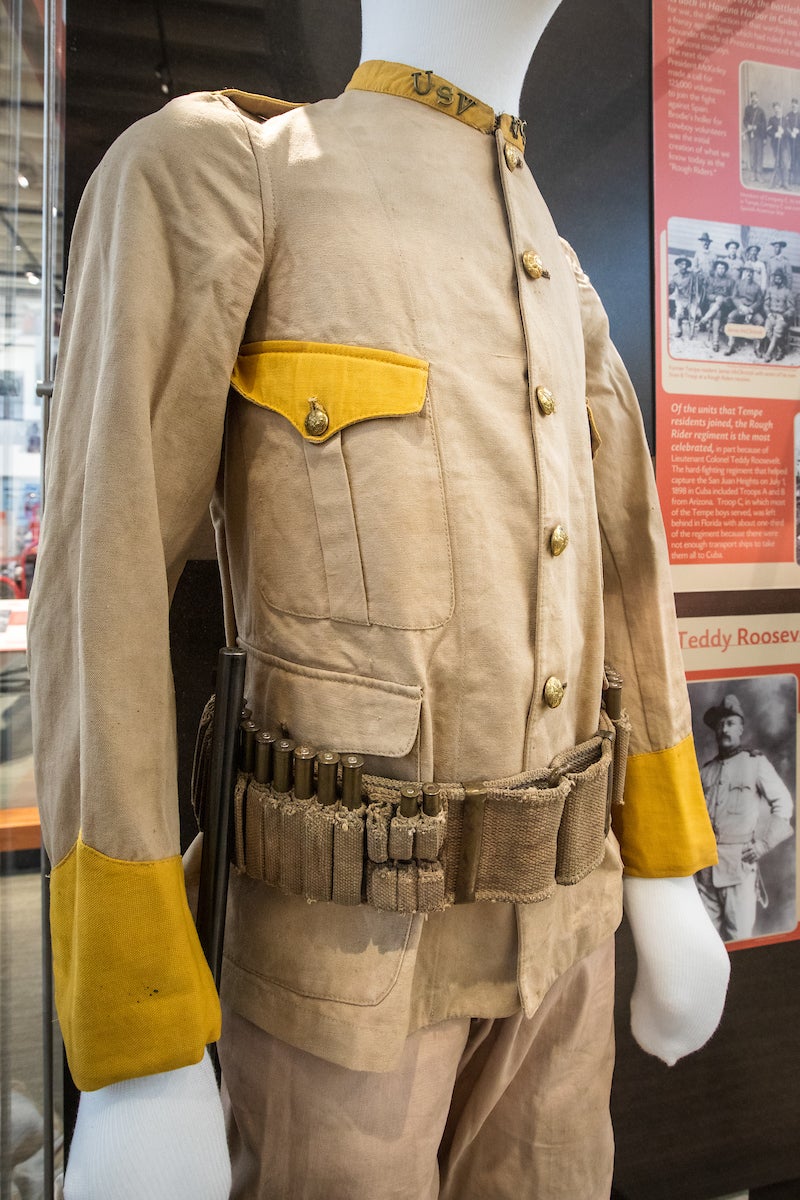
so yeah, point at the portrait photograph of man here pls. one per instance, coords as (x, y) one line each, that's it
(745, 735)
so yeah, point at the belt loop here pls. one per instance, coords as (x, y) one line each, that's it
(471, 838)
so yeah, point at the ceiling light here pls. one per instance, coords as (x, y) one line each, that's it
(32, 278)
(23, 181)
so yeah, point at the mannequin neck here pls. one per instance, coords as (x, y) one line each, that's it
(482, 46)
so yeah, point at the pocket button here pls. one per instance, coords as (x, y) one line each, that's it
(317, 420)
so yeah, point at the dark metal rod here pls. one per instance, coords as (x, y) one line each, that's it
(215, 864)
(50, 30)
(49, 197)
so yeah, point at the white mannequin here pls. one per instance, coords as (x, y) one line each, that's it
(162, 1136)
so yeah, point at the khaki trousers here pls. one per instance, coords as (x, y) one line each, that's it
(514, 1108)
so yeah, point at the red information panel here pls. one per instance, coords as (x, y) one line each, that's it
(727, 271)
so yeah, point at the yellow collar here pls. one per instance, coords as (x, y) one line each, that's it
(395, 79)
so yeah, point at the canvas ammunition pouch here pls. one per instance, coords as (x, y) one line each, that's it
(513, 839)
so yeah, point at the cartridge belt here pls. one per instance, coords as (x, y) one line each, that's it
(410, 848)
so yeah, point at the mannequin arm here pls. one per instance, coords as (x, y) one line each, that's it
(160, 1136)
(683, 967)
(663, 828)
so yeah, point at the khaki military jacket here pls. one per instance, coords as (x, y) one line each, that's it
(405, 582)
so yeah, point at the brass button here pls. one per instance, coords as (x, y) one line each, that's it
(546, 400)
(559, 540)
(534, 266)
(317, 421)
(513, 157)
(554, 692)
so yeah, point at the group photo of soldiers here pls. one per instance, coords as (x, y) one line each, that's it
(770, 120)
(745, 737)
(733, 292)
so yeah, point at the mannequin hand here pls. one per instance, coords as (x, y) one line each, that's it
(683, 967)
(161, 1136)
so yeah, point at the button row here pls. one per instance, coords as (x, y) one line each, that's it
(554, 688)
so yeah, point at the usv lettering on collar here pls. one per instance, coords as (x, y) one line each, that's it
(426, 87)
(445, 93)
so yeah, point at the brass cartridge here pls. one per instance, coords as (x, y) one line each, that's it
(613, 694)
(247, 744)
(410, 795)
(431, 800)
(352, 770)
(303, 772)
(282, 756)
(262, 767)
(327, 772)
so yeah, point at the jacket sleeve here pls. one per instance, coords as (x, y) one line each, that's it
(167, 253)
(663, 826)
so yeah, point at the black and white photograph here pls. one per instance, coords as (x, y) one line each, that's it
(745, 732)
(733, 292)
(769, 104)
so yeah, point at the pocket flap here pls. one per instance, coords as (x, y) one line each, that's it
(351, 714)
(321, 387)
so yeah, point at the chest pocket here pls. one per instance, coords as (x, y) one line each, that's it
(345, 499)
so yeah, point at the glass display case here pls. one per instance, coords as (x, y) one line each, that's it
(73, 80)
(31, 283)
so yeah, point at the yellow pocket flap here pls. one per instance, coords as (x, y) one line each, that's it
(321, 387)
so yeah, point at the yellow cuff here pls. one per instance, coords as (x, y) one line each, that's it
(663, 826)
(133, 992)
